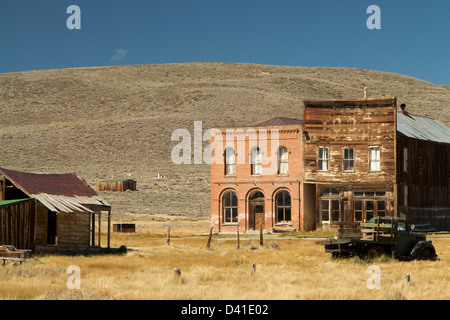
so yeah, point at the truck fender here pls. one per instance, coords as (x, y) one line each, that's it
(420, 246)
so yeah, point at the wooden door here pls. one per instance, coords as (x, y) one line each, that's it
(256, 216)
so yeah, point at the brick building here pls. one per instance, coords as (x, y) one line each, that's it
(258, 182)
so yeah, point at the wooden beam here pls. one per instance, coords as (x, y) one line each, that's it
(109, 228)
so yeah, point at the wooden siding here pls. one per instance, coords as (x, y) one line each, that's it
(17, 224)
(424, 187)
(117, 185)
(342, 125)
(73, 231)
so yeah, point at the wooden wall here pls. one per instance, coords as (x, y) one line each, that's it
(73, 231)
(424, 187)
(17, 224)
(356, 124)
(117, 185)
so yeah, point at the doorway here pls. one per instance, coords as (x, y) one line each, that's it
(256, 211)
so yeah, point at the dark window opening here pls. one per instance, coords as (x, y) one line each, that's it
(230, 207)
(283, 204)
(51, 227)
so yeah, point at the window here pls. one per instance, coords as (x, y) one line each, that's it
(256, 161)
(283, 206)
(348, 159)
(283, 163)
(230, 207)
(369, 204)
(323, 159)
(230, 163)
(405, 159)
(330, 207)
(405, 196)
(374, 159)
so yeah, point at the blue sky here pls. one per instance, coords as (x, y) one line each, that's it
(414, 38)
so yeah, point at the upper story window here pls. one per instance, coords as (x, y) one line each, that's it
(323, 159)
(256, 161)
(374, 159)
(230, 162)
(405, 159)
(283, 160)
(349, 160)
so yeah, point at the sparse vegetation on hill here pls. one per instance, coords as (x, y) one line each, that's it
(116, 122)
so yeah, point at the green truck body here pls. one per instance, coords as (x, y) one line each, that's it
(381, 235)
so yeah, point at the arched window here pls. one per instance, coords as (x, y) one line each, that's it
(283, 163)
(283, 206)
(230, 161)
(256, 161)
(230, 207)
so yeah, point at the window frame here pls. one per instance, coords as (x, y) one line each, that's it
(284, 207)
(229, 165)
(279, 161)
(256, 161)
(352, 160)
(371, 161)
(321, 161)
(234, 219)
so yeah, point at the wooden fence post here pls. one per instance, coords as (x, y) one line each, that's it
(168, 235)
(238, 240)
(261, 241)
(208, 244)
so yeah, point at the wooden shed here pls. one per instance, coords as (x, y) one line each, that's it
(117, 185)
(50, 212)
(17, 218)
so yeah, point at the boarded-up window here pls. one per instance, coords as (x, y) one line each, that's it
(374, 159)
(323, 159)
(405, 159)
(283, 160)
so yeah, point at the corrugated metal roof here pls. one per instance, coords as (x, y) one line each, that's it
(279, 121)
(422, 128)
(58, 192)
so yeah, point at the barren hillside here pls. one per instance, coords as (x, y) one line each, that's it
(115, 122)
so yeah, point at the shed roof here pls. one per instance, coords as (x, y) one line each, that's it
(279, 121)
(58, 192)
(9, 202)
(422, 128)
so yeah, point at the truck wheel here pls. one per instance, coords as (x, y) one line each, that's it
(426, 254)
(374, 252)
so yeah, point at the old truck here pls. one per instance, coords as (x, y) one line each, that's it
(381, 235)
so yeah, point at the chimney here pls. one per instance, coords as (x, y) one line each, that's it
(403, 107)
(365, 92)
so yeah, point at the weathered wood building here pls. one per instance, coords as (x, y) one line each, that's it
(362, 158)
(50, 212)
(117, 185)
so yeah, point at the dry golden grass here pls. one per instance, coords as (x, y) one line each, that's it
(286, 268)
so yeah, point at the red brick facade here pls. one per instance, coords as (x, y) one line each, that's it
(246, 193)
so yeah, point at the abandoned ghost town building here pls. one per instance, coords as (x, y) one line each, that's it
(347, 160)
(50, 212)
